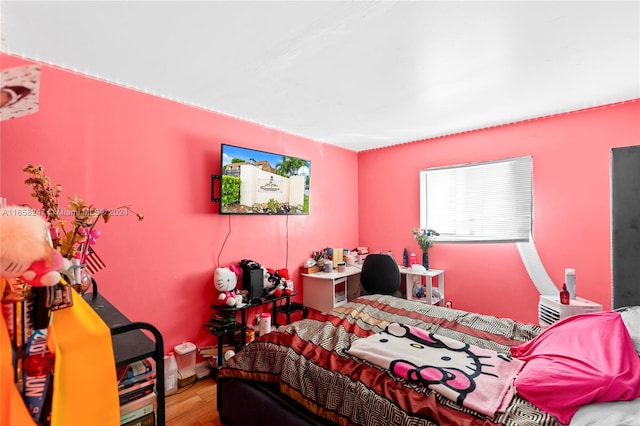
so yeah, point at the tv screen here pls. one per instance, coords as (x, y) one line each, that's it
(260, 182)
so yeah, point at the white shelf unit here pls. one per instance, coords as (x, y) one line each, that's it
(426, 281)
(323, 291)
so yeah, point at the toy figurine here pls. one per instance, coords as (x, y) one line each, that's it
(225, 281)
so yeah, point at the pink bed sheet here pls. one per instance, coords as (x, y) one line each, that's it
(579, 360)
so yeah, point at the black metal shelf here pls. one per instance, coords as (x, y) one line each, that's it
(288, 309)
(223, 331)
(131, 344)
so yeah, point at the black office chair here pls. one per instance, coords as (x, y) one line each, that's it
(380, 275)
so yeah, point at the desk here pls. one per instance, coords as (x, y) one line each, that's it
(327, 290)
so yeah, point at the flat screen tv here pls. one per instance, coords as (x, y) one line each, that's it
(258, 182)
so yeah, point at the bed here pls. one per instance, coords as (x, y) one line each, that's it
(343, 367)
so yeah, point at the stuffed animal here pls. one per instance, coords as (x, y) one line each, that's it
(225, 281)
(284, 273)
(23, 240)
(287, 283)
(272, 284)
(288, 287)
(46, 272)
(277, 282)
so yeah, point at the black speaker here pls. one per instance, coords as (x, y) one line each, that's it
(253, 282)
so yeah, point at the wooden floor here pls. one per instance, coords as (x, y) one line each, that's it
(193, 405)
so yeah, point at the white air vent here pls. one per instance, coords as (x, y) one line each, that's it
(551, 310)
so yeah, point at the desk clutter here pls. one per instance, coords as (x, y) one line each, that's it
(330, 259)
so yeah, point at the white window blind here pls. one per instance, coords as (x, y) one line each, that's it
(478, 202)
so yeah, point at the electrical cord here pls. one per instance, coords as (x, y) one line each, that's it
(286, 260)
(224, 242)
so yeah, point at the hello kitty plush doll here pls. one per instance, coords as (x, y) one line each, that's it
(225, 281)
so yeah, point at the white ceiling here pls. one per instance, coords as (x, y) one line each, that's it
(357, 74)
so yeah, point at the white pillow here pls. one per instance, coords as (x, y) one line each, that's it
(620, 413)
(631, 317)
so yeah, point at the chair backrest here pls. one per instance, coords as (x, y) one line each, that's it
(380, 274)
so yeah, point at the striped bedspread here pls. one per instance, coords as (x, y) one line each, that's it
(477, 378)
(310, 361)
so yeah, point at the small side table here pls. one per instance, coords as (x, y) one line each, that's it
(426, 279)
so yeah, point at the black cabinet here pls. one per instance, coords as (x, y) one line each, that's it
(131, 344)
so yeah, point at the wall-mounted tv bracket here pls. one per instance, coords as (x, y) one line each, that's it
(215, 199)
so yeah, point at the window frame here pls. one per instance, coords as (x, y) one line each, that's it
(518, 167)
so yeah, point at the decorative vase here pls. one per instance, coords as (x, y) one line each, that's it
(82, 280)
(425, 259)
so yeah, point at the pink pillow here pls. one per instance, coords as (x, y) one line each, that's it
(579, 360)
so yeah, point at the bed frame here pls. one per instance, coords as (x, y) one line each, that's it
(266, 403)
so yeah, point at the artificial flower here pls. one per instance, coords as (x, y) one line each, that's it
(425, 237)
(70, 238)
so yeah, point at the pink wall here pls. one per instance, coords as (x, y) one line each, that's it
(571, 154)
(114, 146)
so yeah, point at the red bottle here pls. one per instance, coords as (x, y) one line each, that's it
(564, 295)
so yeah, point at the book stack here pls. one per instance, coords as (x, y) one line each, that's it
(136, 390)
(220, 321)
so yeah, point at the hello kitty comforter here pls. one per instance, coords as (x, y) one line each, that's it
(477, 378)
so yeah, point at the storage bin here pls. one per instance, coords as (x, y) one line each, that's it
(186, 359)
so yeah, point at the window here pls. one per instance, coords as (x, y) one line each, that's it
(478, 202)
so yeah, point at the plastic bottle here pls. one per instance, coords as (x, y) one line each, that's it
(265, 323)
(564, 295)
(170, 374)
(413, 259)
(405, 258)
(570, 280)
